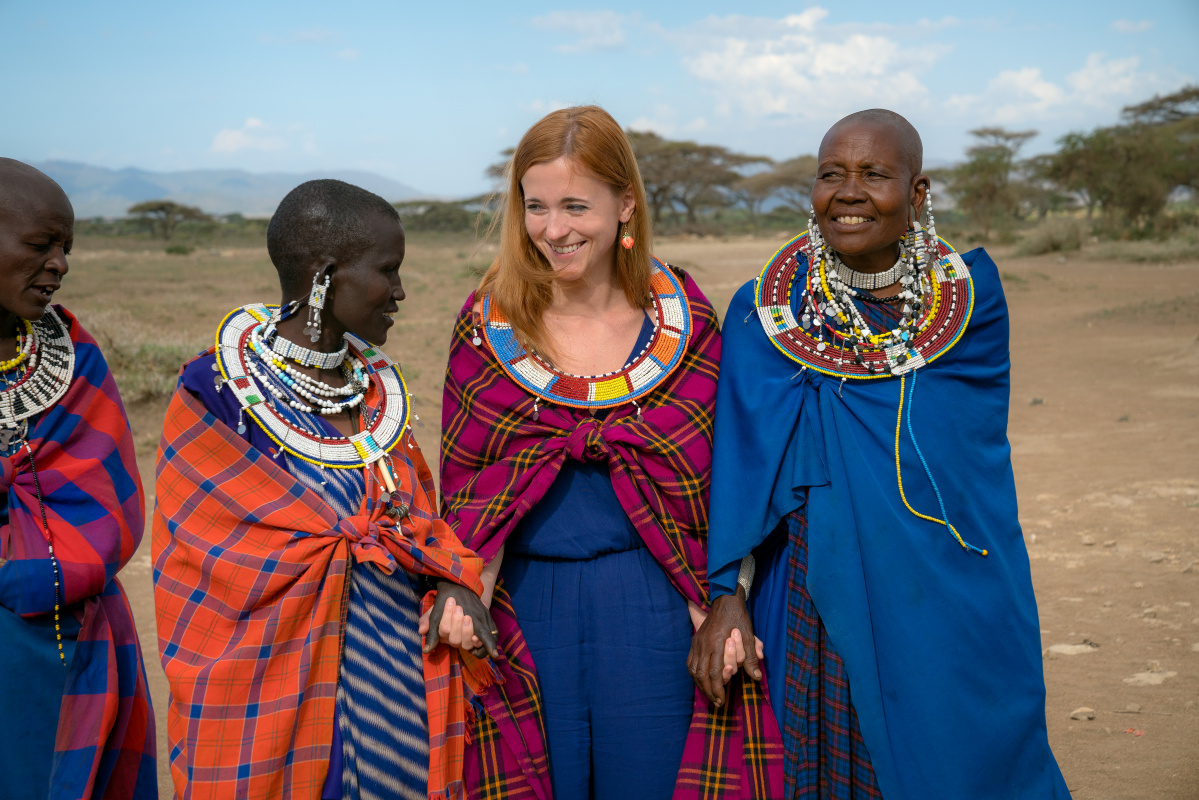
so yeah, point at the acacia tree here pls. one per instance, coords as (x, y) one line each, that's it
(164, 215)
(984, 184)
(658, 167)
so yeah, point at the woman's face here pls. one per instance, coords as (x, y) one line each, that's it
(863, 192)
(366, 292)
(573, 218)
(35, 237)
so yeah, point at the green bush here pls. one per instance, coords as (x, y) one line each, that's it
(180, 250)
(1052, 236)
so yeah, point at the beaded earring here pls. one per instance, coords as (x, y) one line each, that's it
(316, 302)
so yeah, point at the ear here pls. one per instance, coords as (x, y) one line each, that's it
(628, 204)
(920, 187)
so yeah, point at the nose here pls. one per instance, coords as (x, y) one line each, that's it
(398, 293)
(58, 262)
(851, 190)
(557, 226)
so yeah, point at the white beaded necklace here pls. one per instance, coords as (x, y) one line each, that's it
(235, 363)
(51, 363)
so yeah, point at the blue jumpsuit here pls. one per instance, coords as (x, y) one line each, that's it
(609, 636)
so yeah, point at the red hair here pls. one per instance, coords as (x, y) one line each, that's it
(520, 280)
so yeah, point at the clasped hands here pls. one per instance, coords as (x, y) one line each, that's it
(459, 618)
(718, 647)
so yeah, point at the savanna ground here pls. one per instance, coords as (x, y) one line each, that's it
(1104, 432)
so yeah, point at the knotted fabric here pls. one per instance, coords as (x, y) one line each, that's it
(92, 495)
(251, 571)
(498, 461)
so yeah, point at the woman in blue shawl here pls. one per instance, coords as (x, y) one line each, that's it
(893, 595)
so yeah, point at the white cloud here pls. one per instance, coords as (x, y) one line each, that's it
(1099, 80)
(1025, 96)
(800, 67)
(592, 30)
(1131, 26)
(253, 135)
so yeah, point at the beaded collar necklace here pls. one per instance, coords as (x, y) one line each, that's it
(672, 330)
(234, 344)
(870, 280)
(832, 337)
(49, 356)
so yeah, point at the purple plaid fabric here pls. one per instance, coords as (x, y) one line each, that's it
(826, 757)
(497, 462)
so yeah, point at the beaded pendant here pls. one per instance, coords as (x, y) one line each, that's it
(233, 341)
(672, 331)
(820, 344)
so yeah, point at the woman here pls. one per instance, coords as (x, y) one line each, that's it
(295, 535)
(73, 702)
(894, 595)
(576, 451)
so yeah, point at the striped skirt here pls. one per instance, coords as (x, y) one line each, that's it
(381, 693)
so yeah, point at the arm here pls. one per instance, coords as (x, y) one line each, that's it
(491, 573)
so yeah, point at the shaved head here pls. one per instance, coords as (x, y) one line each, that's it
(22, 186)
(904, 134)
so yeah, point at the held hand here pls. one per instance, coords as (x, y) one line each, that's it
(718, 645)
(459, 618)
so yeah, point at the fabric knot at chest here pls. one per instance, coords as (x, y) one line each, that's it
(586, 441)
(364, 534)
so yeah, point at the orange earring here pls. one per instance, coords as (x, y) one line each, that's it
(626, 240)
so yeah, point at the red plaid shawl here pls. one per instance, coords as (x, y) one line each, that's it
(250, 582)
(83, 452)
(497, 462)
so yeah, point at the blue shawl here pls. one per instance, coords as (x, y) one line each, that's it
(941, 645)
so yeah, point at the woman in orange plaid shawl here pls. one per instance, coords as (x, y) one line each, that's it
(288, 578)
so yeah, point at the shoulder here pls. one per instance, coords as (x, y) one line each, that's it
(701, 307)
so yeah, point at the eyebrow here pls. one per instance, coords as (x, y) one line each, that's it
(564, 199)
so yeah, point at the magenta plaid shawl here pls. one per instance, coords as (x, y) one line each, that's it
(83, 453)
(497, 462)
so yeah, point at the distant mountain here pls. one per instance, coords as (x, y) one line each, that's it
(101, 192)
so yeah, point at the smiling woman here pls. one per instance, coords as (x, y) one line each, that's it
(295, 536)
(576, 450)
(73, 699)
(881, 519)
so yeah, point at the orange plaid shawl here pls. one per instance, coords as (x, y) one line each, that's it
(250, 578)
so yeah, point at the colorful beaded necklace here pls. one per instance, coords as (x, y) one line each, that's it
(234, 345)
(50, 359)
(832, 337)
(671, 317)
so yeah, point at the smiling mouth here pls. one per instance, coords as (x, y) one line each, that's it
(852, 220)
(44, 292)
(567, 249)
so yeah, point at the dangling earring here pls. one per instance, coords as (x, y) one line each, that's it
(316, 302)
(626, 239)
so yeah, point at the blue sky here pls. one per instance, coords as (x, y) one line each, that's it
(427, 93)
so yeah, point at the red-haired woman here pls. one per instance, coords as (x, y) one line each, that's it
(576, 454)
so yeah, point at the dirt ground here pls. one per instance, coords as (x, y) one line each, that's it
(1105, 438)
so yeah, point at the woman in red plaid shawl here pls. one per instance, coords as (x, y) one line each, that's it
(576, 451)
(74, 709)
(295, 534)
